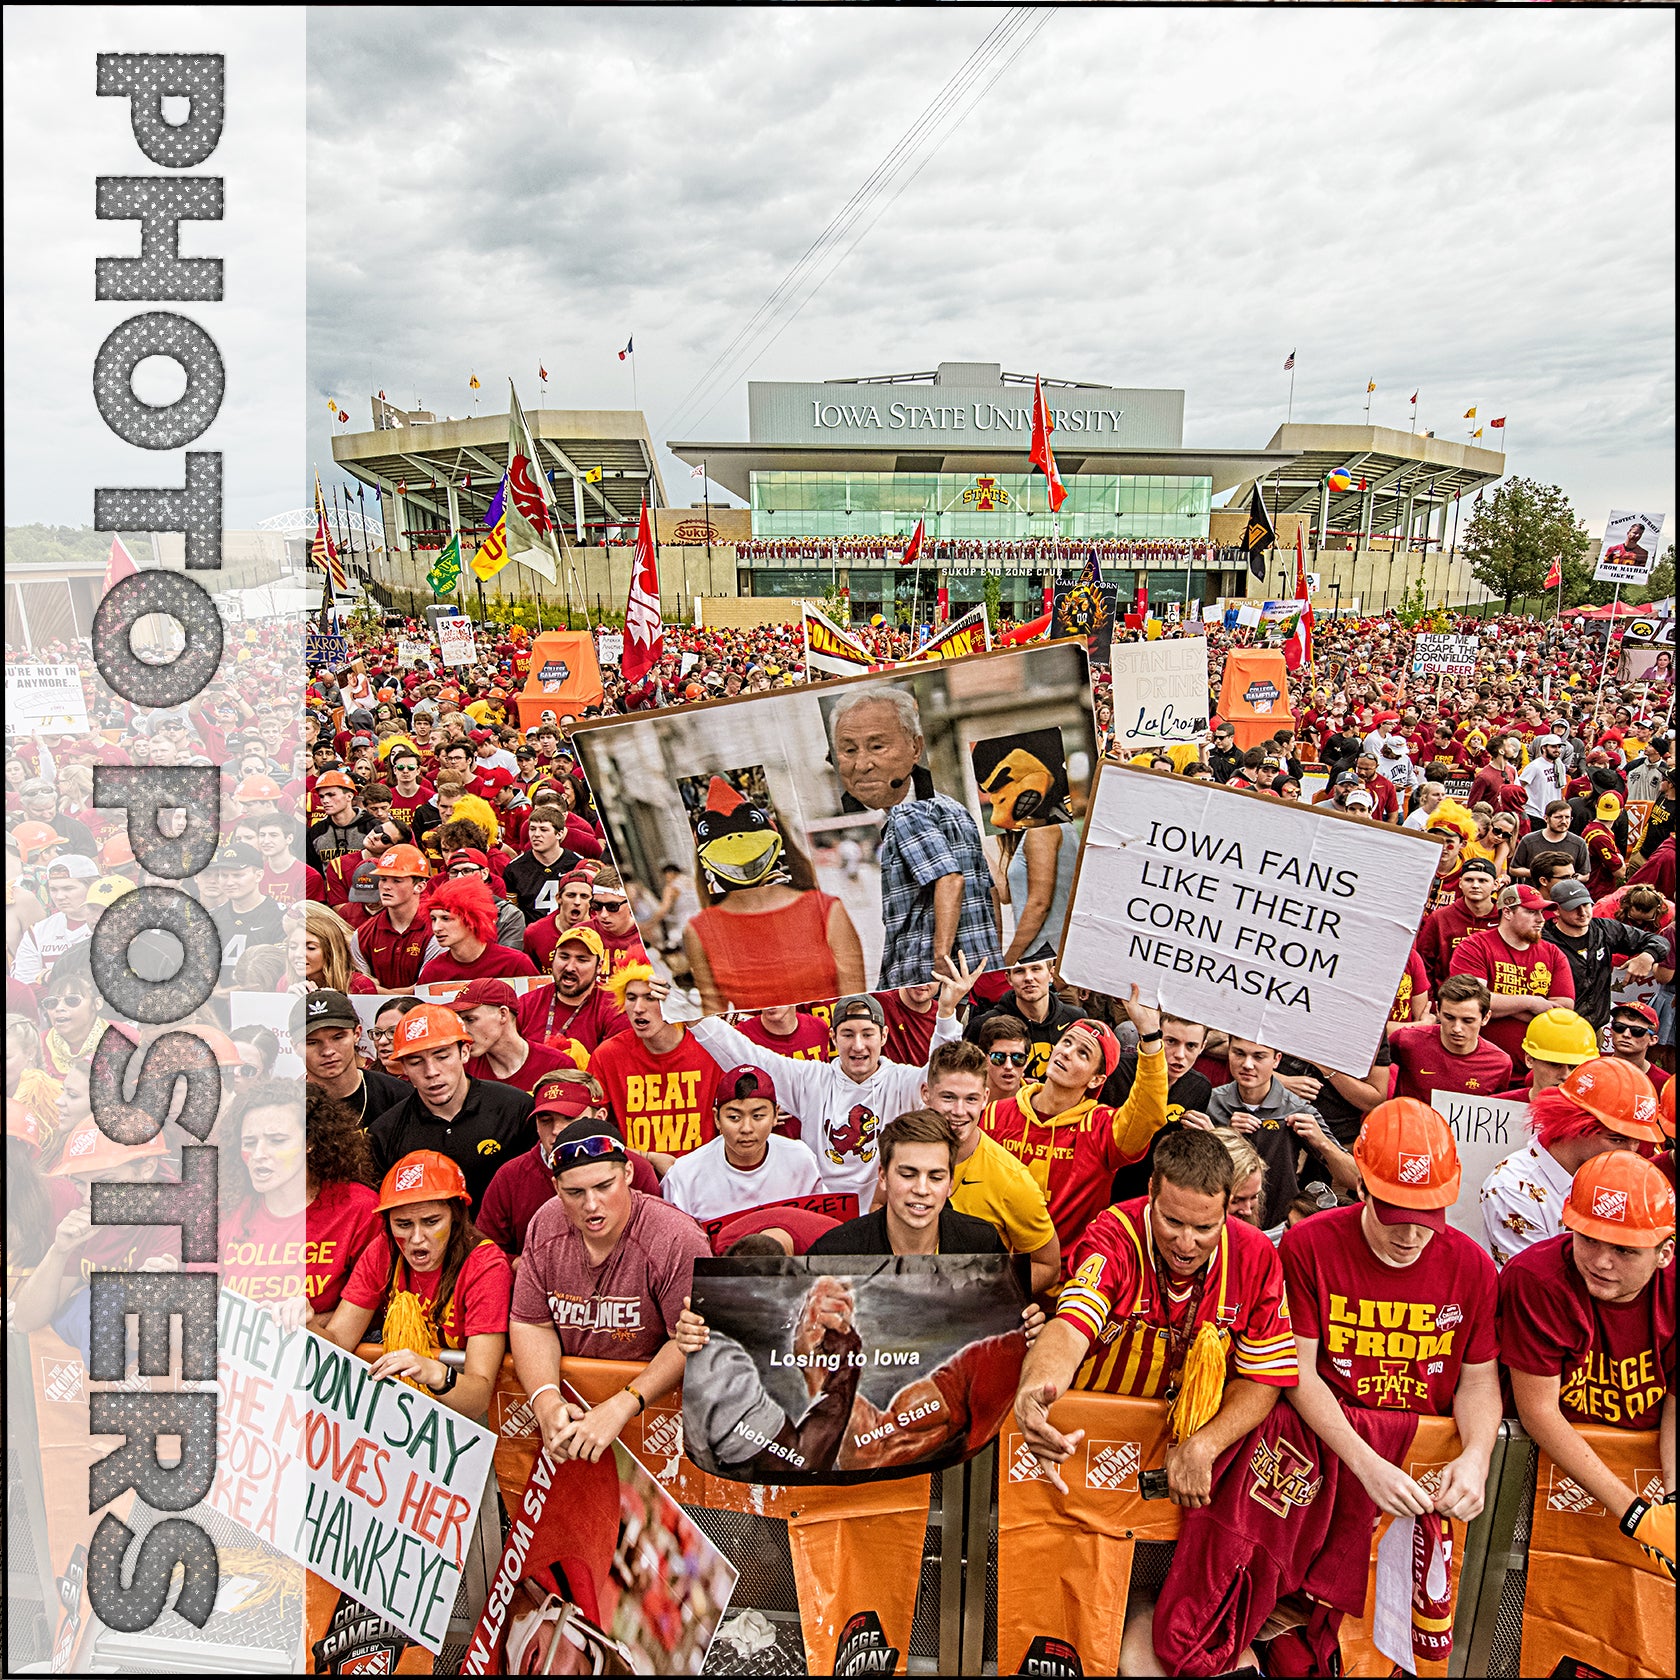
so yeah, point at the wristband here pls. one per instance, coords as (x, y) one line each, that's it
(1150, 1038)
(636, 1395)
(532, 1398)
(450, 1374)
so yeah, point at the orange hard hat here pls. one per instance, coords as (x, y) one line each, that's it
(257, 787)
(1617, 1095)
(35, 837)
(1407, 1155)
(116, 851)
(88, 1150)
(1665, 1110)
(335, 779)
(403, 860)
(1621, 1198)
(429, 1027)
(422, 1176)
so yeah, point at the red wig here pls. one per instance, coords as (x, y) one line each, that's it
(1554, 1118)
(471, 903)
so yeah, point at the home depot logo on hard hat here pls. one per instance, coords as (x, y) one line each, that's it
(413, 1028)
(410, 1176)
(81, 1143)
(1610, 1204)
(1414, 1169)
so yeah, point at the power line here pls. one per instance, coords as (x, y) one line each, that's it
(981, 68)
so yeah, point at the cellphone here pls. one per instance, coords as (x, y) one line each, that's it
(1152, 1484)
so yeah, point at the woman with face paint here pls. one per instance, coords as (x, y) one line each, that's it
(767, 934)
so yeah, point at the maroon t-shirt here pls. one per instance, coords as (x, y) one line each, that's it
(627, 1306)
(1616, 1361)
(393, 958)
(1426, 1066)
(808, 1042)
(546, 1018)
(1390, 1337)
(494, 962)
(523, 1185)
(909, 1031)
(1540, 971)
(540, 1059)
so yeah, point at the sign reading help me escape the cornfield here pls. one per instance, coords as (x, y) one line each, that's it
(371, 1484)
(1275, 921)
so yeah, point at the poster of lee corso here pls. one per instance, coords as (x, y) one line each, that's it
(826, 827)
(1284, 923)
(837, 1371)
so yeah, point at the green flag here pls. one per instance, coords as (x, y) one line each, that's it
(446, 569)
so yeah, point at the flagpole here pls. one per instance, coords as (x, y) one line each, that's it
(1291, 414)
(706, 497)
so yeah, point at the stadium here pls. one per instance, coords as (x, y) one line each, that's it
(836, 475)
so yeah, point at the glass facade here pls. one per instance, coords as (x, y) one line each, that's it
(1004, 506)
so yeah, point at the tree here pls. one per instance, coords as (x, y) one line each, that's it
(992, 593)
(1661, 585)
(1513, 536)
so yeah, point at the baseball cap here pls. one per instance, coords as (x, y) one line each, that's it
(1546, 741)
(742, 1083)
(467, 854)
(1348, 778)
(584, 936)
(1643, 1010)
(564, 1096)
(1570, 895)
(108, 889)
(1106, 1042)
(497, 994)
(1390, 1214)
(1521, 898)
(860, 1006)
(1480, 866)
(77, 867)
(364, 887)
(327, 1008)
(1360, 796)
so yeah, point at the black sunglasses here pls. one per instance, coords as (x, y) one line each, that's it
(1637, 1029)
(1015, 1058)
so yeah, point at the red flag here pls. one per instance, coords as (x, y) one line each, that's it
(1414, 399)
(1042, 456)
(913, 549)
(119, 566)
(1555, 576)
(1499, 424)
(1298, 650)
(644, 630)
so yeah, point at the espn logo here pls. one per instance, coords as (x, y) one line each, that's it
(1112, 1466)
(1610, 1204)
(409, 1177)
(1414, 1169)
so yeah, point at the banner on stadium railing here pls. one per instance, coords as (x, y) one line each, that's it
(601, 1567)
(1592, 1595)
(372, 1485)
(834, 1370)
(45, 700)
(1160, 693)
(1285, 923)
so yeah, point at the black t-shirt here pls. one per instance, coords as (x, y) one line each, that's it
(959, 1233)
(534, 885)
(1341, 752)
(1190, 1090)
(240, 929)
(327, 840)
(1340, 1117)
(1042, 1035)
(494, 1126)
(377, 1092)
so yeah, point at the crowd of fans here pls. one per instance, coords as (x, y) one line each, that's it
(1049, 551)
(518, 1113)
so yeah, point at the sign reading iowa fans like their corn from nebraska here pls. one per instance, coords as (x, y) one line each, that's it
(1282, 923)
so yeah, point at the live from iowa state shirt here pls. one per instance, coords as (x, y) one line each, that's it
(1615, 1361)
(1390, 1336)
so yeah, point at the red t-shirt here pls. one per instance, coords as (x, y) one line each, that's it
(546, 1018)
(492, 963)
(1113, 1298)
(909, 1031)
(661, 1103)
(1414, 983)
(290, 885)
(393, 958)
(1426, 1066)
(808, 1042)
(1540, 971)
(1387, 1336)
(404, 804)
(623, 949)
(542, 935)
(341, 1224)
(1616, 1360)
(539, 1060)
(262, 1252)
(478, 1306)
(1442, 933)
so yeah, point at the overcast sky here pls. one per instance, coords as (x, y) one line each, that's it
(1475, 204)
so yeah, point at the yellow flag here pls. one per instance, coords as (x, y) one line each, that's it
(1370, 387)
(493, 551)
(472, 383)
(593, 476)
(1469, 414)
(1152, 629)
(1477, 432)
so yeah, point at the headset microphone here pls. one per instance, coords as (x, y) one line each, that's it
(897, 782)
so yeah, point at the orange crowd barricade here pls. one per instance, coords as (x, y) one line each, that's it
(1254, 695)
(1591, 1593)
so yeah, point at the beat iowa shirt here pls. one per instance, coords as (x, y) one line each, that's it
(662, 1103)
(1390, 1336)
(1615, 1360)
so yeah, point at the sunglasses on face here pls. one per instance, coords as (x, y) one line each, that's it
(66, 1000)
(580, 1151)
(1014, 1058)
(1635, 1029)
(610, 904)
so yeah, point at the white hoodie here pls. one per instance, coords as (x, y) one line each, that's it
(839, 1118)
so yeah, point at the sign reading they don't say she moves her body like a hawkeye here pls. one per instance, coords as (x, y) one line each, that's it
(1278, 921)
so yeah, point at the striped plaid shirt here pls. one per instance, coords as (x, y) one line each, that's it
(923, 841)
(1113, 1299)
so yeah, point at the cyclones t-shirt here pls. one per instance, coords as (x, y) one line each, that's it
(662, 1103)
(623, 1308)
(1426, 1066)
(1540, 971)
(1616, 1359)
(477, 1307)
(1390, 1336)
(341, 1225)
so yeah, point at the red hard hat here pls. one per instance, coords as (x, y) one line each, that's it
(423, 1176)
(1407, 1155)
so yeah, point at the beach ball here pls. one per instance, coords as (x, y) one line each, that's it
(1339, 480)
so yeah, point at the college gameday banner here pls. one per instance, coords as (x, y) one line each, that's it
(972, 633)
(1593, 1596)
(829, 649)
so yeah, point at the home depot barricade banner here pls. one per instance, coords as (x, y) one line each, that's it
(1592, 1594)
(1065, 1561)
(1254, 695)
(856, 1550)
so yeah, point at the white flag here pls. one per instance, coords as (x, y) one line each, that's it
(697, 472)
(530, 510)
